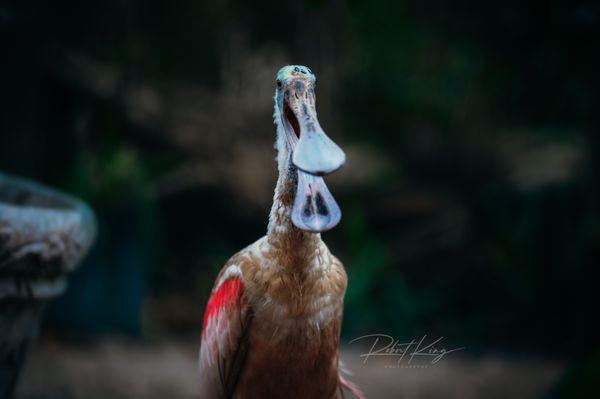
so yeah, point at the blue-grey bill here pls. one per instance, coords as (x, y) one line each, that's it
(317, 154)
(314, 210)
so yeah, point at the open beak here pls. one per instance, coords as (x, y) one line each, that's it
(314, 155)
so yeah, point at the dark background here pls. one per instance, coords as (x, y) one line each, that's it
(470, 198)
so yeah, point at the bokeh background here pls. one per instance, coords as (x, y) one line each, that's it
(470, 198)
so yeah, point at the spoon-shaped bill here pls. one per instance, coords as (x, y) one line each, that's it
(314, 209)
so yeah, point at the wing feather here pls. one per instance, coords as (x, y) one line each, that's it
(223, 346)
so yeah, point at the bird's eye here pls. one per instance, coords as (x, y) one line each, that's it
(279, 83)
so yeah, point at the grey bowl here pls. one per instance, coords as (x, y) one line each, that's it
(43, 236)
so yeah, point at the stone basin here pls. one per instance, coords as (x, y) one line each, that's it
(44, 234)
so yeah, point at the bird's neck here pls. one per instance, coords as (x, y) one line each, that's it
(294, 248)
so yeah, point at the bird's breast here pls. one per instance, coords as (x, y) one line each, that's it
(293, 352)
(295, 325)
(297, 305)
(294, 331)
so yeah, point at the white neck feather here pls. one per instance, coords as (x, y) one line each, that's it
(280, 215)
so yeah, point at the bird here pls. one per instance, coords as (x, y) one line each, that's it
(271, 327)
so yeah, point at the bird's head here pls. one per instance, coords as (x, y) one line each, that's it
(313, 154)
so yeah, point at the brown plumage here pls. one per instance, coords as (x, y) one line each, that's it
(272, 324)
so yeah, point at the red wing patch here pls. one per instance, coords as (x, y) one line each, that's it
(227, 295)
